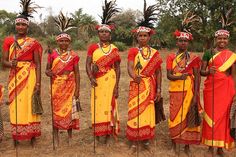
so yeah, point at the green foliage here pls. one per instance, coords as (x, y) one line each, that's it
(79, 45)
(121, 46)
(125, 22)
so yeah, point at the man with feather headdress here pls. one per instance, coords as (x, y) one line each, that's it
(103, 69)
(183, 72)
(22, 54)
(63, 68)
(219, 90)
(144, 68)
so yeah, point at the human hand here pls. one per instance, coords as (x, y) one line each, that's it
(137, 79)
(49, 73)
(212, 70)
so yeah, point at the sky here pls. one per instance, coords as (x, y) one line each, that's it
(91, 7)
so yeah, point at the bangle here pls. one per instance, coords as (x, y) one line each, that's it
(37, 84)
(158, 89)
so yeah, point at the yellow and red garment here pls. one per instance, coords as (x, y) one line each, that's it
(22, 120)
(106, 109)
(63, 89)
(223, 96)
(181, 95)
(1, 93)
(141, 117)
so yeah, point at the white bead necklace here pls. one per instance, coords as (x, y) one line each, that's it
(68, 58)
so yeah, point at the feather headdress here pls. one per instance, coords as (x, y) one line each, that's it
(64, 24)
(109, 10)
(189, 22)
(149, 17)
(225, 22)
(28, 8)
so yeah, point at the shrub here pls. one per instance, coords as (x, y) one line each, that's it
(120, 45)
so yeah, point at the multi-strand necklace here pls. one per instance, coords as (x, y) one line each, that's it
(186, 57)
(62, 60)
(145, 56)
(101, 47)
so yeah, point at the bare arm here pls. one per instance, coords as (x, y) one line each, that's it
(77, 81)
(131, 73)
(196, 83)
(5, 60)
(89, 71)
(38, 70)
(172, 77)
(117, 71)
(204, 71)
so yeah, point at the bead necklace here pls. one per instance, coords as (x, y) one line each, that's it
(68, 58)
(186, 56)
(103, 50)
(148, 55)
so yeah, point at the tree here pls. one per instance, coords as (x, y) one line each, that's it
(208, 10)
(125, 22)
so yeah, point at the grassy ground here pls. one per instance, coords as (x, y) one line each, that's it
(82, 144)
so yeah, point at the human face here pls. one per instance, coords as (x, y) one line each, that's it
(63, 43)
(21, 28)
(182, 44)
(104, 36)
(143, 38)
(222, 41)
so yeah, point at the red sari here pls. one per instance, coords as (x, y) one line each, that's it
(223, 95)
(63, 88)
(27, 125)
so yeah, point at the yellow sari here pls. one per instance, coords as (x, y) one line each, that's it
(24, 124)
(181, 94)
(141, 116)
(106, 109)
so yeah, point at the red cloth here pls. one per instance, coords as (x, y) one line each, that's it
(223, 96)
(8, 41)
(91, 49)
(70, 66)
(194, 62)
(132, 53)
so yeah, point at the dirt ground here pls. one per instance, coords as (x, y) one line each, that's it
(82, 144)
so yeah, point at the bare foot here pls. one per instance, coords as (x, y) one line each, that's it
(220, 152)
(187, 150)
(15, 143)
(32, 142)
(173, 148)
(210, 152)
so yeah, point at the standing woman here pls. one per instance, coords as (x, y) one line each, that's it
(103, 70)
(22, 54)
(183, 72)
(63, 69)
(144, 68)
(219, 67)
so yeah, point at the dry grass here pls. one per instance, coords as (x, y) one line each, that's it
(82, 145)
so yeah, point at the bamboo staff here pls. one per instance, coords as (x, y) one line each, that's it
(138, 67)
(53, 130)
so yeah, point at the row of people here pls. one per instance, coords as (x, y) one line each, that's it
(22, 54)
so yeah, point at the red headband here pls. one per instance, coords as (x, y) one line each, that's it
(21, 20)
(144, 29)
(105, 27)
(183, 35)
(222, 32)
(63, 35)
